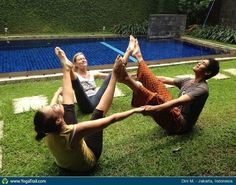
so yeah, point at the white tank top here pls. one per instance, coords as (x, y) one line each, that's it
(88, 84)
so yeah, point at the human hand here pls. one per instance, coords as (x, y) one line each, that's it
(118, 64)
(149, 108)
(139, 109)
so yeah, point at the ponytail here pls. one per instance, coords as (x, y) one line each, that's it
(39, 120)
(40, 136)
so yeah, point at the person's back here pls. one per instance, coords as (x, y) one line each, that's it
(77, 157)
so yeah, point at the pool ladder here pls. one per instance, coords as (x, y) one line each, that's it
(6, 35)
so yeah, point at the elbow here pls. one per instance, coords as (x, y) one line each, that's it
(114, 118)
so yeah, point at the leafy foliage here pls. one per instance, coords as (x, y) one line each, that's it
(167, 6)
(218, 33)
(133, 29)
(47, 16)
(196, 10)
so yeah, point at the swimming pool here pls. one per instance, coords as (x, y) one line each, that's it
(35, 55)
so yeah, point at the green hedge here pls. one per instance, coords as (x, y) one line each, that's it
(218, 33)
(47, 16)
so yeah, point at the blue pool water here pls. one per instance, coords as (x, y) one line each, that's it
(20, 56)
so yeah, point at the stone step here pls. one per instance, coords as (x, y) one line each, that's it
(29, 103)
(232, 71)
(221, 76)
(1, 129)
(36, 102)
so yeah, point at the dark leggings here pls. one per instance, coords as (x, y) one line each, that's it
(93, 141)
(88, 104)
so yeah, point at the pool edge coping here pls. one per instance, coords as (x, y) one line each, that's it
(58, 75)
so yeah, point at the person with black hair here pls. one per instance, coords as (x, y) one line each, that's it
(179, 115)
(77, 146)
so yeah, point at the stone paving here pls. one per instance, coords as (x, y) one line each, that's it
(35, 102)
(118, 92)
(232, 71)
(220, 76)
(29, 103)
(1, 129)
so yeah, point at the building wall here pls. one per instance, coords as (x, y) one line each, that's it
(166, 25)
(228, 13)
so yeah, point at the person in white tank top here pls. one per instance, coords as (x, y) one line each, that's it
(84, 85)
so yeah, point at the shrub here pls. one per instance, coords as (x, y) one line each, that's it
(218, 33)
(131, 29)
(196, 10)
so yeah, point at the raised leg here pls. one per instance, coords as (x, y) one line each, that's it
(147, 78)
(67, 89)
(97, 97)
(107, 97)
(129, 49)
(95, 141)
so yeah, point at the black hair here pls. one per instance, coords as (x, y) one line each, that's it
(44, 125)
(213, 68)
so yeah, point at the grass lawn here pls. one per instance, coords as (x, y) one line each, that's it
(136, 146)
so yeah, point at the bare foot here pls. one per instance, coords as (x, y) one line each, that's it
(134, 76)
(136, 49)
(118, 65)
(137, 52)
(132, 42)
(129, 49)
(63, 58)
(139, 83)
(122, 75)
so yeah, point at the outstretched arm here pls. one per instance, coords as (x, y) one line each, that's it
(67, 90)
(166, 80)
(101, 75)
(90, 127)
(169, 104)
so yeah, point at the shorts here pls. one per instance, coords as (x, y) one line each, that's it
(69, 114)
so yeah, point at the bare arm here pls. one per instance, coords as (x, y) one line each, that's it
(166, 80)
(89, 127)
(56, 96)
(169, 104)
(101, 75)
